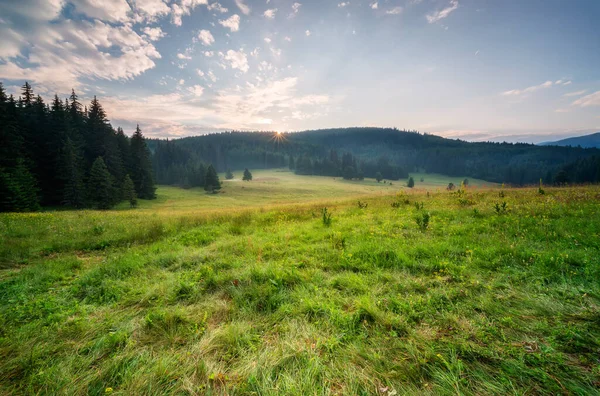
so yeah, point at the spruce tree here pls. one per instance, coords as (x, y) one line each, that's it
(229, 175)
(211, 181)
(141, 166)
(129, 192)
(18, 189)
(247, 175)
(100, 186)
(410, 183)
(378, 177)
(74, 190)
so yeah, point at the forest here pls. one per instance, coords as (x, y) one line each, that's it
(65, 154)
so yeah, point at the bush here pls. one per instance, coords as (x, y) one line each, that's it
(423, 221)
(326, 217)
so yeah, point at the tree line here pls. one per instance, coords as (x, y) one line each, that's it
(65, 154)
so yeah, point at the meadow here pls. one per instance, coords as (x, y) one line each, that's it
(258, 290)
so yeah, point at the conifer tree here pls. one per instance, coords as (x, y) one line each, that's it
(100, 186)
(74, 190)
(247, 175)
(229, 175)
(211, 181)
(141, 166)
(18, 190)
(378, 177)
(410, 183)
(129, 191)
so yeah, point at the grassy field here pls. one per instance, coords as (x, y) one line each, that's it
(417, 291)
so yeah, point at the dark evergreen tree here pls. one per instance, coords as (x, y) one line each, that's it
(129, 192)
(100, 186)
(18, 191)
(74, 189)
(211, 181)
(229, 175)
(378, 177)
(247, 175)
(141, 167)
(291, 163)
(349, 173)
(410, 183)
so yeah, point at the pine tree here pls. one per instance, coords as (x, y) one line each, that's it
(378, 177)
(141, 166)
(26, 95)
(74, 190)
(291, 163)
(247, 175)
(211, 181)
(229, 175)
(129, 192)
(18, 190)
(410, 183)
(100, 186)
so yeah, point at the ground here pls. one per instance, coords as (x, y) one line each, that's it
(254, 291)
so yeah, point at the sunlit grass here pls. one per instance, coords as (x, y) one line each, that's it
(177, 298)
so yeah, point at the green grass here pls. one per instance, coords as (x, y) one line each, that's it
(261, 297)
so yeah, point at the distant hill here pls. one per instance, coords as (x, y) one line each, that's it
(392, 152)
(586, 141)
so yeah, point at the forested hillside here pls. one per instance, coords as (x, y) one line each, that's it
(65, 154)
(358, 152)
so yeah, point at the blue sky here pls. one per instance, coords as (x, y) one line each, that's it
(515, 70)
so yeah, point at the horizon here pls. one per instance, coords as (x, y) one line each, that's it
(460, 69)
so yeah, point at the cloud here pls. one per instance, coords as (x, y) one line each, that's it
(267, 40)
(183, 56)
(374, 5)
(154, 33)
(200, 72)
(270, 14)
(196, 90)
(296, 7)
(578, 93)
(592, 99)
(206, 37)
(107, 10)
(343, 4)
(209, 54)
(237, 60)
(67, 51)
(217, 7)
(443, 13)
(150, 10)
(181, 9)
(233, 23)
(243, 7)
(517, 92)
(307, 33)
(288, 39)
(394, 11)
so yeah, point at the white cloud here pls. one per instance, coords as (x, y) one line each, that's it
(270, 14)
(374, 5)
(267, 40)
(243, 7)
(307, 33)
(200, 72)
(154, 33)
(343, 4)
(67, 50)
(181, 82)
(592, 99)
(296, 7)
(394, 11)
(287, 38)
(233, 23)
(183, 56)
(217, 7)
(107, 10)
(197, 90)
(212, 76)
(443, 13)
(237, 60)
(209, 54)
(517, 92)
(206, 37)
(183, 8)
(150, 10)
(578, 93)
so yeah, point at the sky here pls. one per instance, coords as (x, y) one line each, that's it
(513, 70)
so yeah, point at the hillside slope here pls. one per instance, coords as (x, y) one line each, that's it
(586, 141)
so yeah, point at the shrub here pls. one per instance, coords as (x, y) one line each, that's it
(423, 220)
(362, 205)
(326, 217)
(500, 208)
